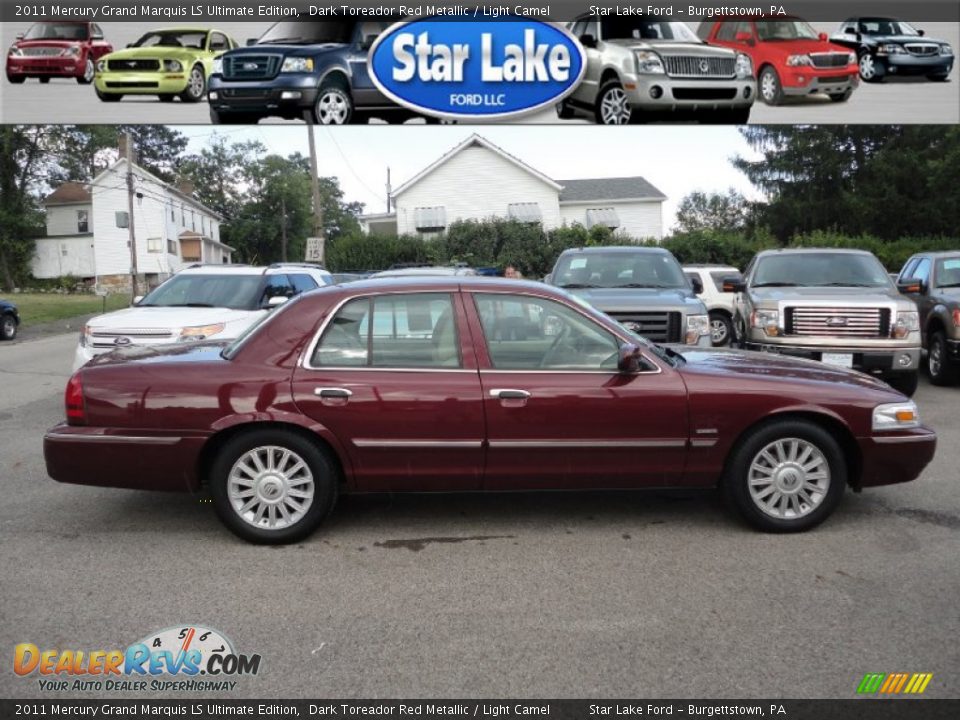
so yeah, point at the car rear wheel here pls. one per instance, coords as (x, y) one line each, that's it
(88, 72)
(273, 486)
(941, 368)
(613, 106)
(870, 69)
(8, 327)
(565, 111)
(771, 90)
(786, 476)
(334, 105)
(905, 382)
(196, 85)
(721, 329)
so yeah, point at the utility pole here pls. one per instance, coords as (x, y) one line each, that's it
(283, 229)
(316, 245)
(389, 190)
(128, 141)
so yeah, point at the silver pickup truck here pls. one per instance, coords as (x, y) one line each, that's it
(642, 288)
(836, 306)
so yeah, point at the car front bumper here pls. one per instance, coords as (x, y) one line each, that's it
(286, 94)
(56, 66)
(873, 359)
(661, 92)
(916, 65)
(807, 80)
(890, 459)
(141, 83)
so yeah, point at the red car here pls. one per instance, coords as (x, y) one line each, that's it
(57, 49)
(790, 57)
(469, 384)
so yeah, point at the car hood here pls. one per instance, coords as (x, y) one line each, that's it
(47, 43)
(626, 299)
(857, 296)
(153, 52)
(7, 305)
(803, 47)
(190, 352)
(772, 367)
(672, 47)
(170, 317)
(278, 49)
(950, 295)
(904, 39)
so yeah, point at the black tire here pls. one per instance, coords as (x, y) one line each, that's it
(736, 479)
(739, 337)
(941, 369)
(196, 88)
(770, 87)
(718, 319)
(841, 97)
(16, 79)
(324, 470)
(938, 78)
(565, 111)
(89, 70)
(905, 382)
(44, 80)
(8, 327)
(167, 97)
(233, 118)
(334, 105)
(871, 70)
(613, 96)
(108, 97)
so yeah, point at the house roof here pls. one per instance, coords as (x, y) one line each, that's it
(621, 188)
(474, 141)
(69, 193)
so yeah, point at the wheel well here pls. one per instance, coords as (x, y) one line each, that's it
(336, 77)
(721, 311)
(764, 66)
(210, 449)
(935, 325)
(608, 74)
(840, 432)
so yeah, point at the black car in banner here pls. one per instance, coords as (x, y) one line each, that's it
(887, 47)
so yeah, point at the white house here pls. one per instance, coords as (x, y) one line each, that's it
(478, 180)
(87, 236)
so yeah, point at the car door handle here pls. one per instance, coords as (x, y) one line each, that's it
(508, 394)
(328, 392)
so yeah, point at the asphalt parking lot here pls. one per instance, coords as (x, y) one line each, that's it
(528, 596)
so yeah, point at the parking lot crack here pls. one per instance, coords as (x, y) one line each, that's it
(418, 544)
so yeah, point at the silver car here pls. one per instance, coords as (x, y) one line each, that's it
(636, 67)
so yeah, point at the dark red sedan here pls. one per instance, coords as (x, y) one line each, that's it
(467, 384)
(57, 49)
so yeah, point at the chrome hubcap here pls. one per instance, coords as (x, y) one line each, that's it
(8, 326)
(614, 108)
(866, 67)
(196, 83)
(935, 359)
(718, 331)
(789, 478)
(88, 71)
(270, 487)
(768, 86)
(332, 108)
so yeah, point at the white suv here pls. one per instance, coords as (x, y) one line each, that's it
(719, 303)
(200, 302)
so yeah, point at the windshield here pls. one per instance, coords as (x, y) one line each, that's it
(883, 26)
(948, 272)
(820, 270)
(779, 30)
(308, 33)
(619, 270)
(236, 292)
(173, 39)
(57, 31)
(626, 29)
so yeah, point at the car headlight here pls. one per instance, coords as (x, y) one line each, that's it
(946, 49)
(200, 332)
(852, 59)
(15, 51)
(767, 320)
(697, 327)
(895, 416)
(71, 51)
(297, 64)
(798, 60)
(218, 66)
(172, 66)
(891, 49)
(907, 322)
(101, 65)
(649, 62)
(744, 66)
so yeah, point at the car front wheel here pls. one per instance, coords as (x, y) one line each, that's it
(942, 370)
(88, 72)
(870, 69)
(721, 329)
(273, 486)
(8, 327)
(108, 97)
(16, 79)
(771, 90)
(613, 106)
(196, 86)
(786, 476)
(334, 105)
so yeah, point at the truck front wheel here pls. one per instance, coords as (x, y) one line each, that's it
(905, 383)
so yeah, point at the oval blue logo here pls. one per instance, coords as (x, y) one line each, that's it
(472, 69)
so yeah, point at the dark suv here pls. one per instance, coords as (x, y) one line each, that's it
(933, 280)
(311, 70)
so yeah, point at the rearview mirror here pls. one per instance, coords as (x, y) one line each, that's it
(697, 284)
(921, 33)
(823, 37)
(277, 300)
(910, 287)
(97, 36)
(588, 40)
(733, 285)
(20, 36)
(628, 358)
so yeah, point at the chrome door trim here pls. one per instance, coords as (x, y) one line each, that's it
(406, 444)
(530, 444)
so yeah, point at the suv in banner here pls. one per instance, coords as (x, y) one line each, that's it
(836, 306)
(638, 67)
(642, 288)
(311, 70)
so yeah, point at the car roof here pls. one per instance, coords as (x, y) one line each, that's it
(179, 29)
(434, 283)
(938, 254)
(625, 249)
(241, 269)
(708, 266)
(809, 251)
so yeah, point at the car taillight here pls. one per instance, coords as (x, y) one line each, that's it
(73, 399)
(956, 318)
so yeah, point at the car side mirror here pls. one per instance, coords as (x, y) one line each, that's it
(733, 285)
(276, 300)
(628, 358)
(20, 36)
(137, 299)
(251, 41)
(911, 287)
(697, 284)
(130, 45)
(368, 42)
(823, 37)
(588, 40)
(850, 31)
(921, 32)
(97, 36)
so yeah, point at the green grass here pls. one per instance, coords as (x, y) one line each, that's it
(36, 308)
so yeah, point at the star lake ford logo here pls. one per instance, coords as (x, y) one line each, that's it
(464, 69)
(182, 658)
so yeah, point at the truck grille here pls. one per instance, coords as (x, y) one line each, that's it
(656, 326)
(132, 65)
(104, 340)
(41, 51)
(837, 322)
(922, 49)
(251, 67)
(830, 60)
(688, 66)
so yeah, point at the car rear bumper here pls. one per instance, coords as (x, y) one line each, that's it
(805, 81)
(46, 66)
(865, 359)
(142, 83)
(890, 459)
(659, 92)
(141, 460)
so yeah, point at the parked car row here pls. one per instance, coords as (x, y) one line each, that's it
(635, 66)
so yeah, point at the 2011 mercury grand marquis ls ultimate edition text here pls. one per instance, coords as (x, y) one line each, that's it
(466, 384)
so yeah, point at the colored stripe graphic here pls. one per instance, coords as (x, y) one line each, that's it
(871, 683)
(894, 683)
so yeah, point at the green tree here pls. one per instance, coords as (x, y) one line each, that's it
(86, 150)
(23, 163)
(724, 212)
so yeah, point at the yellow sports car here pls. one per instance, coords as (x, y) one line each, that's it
(174, 62)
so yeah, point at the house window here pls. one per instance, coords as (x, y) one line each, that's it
(83, 221)
(154, 244)
(172, 246)
(525, 212)
(183, 215)
(193, 221)
(63, 249)
(173, 217)
(607, 217)
(431, 219)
